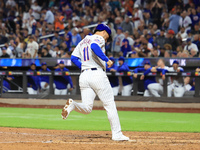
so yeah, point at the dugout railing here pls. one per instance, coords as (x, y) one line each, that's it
(50, 93)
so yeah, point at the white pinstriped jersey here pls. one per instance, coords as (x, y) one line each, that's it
(88, 58)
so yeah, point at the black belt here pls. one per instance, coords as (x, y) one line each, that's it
(89, 69)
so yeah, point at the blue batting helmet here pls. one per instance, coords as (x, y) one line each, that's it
(175, 62)
(102, 27)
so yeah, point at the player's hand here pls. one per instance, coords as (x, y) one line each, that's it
(135, 75)
(70, 89)
(46, 84)
(109, 63)
(112, 70)
(153, 69)
(198, 69)
(163, 77)
(142, 77)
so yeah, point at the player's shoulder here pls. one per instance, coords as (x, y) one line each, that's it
(97, 39)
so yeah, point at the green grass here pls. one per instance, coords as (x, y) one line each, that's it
(97, 120)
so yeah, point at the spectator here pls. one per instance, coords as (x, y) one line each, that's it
(76, 38)
(114, 81)
(196, 40)
(59, 21)
(174, 21)
(49, 16)
(68, 37)
(117, 42)
(161, 39)
(127, 81)
(44, 80)
(4, 53)
(186, 21)
(125, 47)
(194, 17)
(172, 40)
(181, 34)
(33, 81)
(190, 46)
(19, 46)
(57, 37)
(61, 82)
(32, 48)
(143, 51)
(126, 25)
(36, 10)
(129, 38)
(196, 29)
(138, 16)
(45, 52)
(156, 10)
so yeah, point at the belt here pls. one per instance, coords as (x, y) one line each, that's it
(89, 69)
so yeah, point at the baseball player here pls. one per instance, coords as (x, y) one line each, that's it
(33, 81)
(44, 80)
(90, 58)
(147, 79)
(127, 81)
(114, 81)
(176, 83)
(61, 82)
(156, 89)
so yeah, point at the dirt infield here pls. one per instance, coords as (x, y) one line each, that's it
(25, 139)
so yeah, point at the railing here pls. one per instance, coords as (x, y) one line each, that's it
(51, 74)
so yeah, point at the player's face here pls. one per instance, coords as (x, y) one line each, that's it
(146, 66)
(105, 35)
(61, 66)
(33, 67)
(175, 66)
(120, 62)
(44, 67)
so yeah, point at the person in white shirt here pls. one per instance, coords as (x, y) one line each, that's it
(32, 48)
(138, 16)
(185, 21)
(182, 34)
(176, 86)
(36, 10)
(190, 46)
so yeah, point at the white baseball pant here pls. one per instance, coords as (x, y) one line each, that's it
(60, 92)
(147, 93)
(156, 89)
(115, 90)
(42, 84)
(126, 90)
(92, 83)
(31, 91)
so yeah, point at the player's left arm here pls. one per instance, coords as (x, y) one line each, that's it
(76, 61)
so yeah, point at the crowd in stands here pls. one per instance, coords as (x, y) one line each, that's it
(140, 28)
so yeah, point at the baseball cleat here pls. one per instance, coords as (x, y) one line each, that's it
(121, 138)
(65, 113)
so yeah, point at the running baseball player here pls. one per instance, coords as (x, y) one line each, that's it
(44, 80)
(147, 79)
(90, 58)
(114, 81)
(61, 82)
(127, 81)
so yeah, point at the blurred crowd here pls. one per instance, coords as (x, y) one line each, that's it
(140, 28)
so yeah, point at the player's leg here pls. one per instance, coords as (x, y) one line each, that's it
(169, 90)
(179, 91)
(102, 87)
(57, 91)
(63, 92)
(126, 91)
(147, 93)
(155, 89)
(115, 90)
(31, 91)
